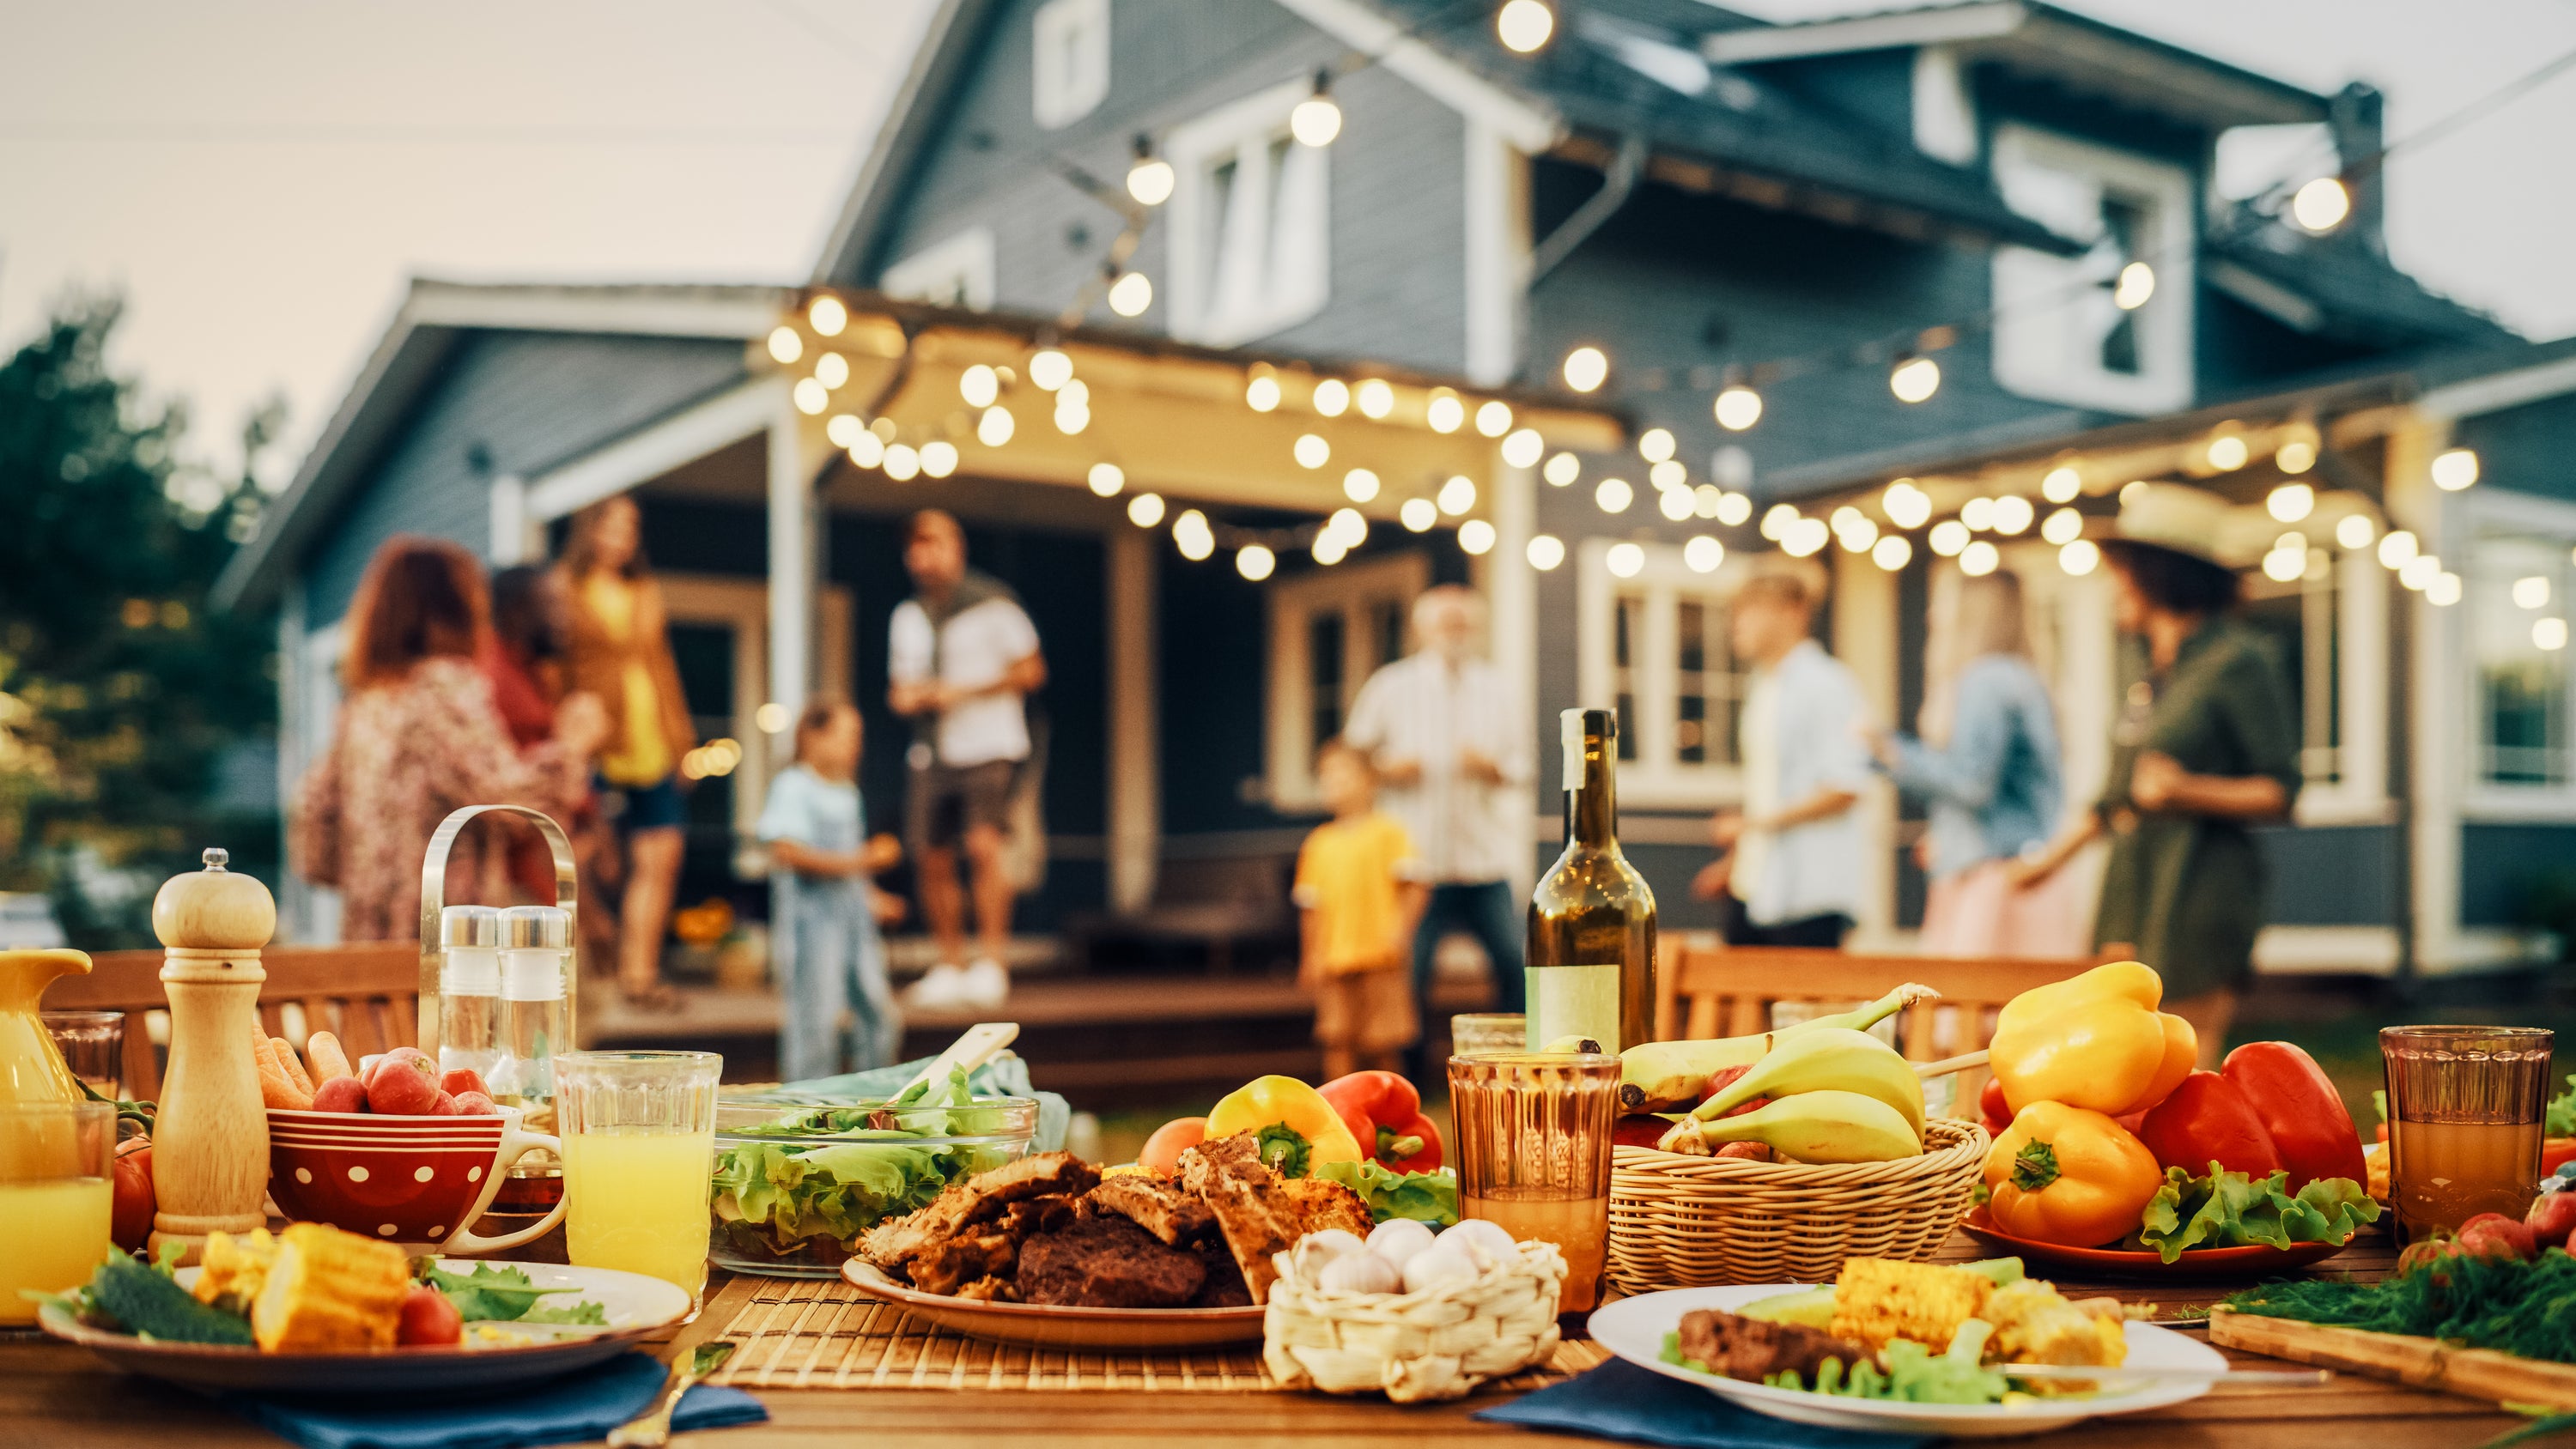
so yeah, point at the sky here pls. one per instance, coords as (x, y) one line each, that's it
(259, 178)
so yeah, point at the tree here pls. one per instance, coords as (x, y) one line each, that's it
(121, 694)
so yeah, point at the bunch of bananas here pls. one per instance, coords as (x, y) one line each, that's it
(1835, 1093)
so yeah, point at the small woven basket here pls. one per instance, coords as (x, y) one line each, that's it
(1686, 1222)
(1435, 1344)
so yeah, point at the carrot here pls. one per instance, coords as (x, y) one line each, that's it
(294, 1065)
(276, 1089)
(328, 1059)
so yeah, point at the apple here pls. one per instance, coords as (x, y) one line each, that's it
(340, 1094)
(475, 1104)
(2493, 1235)
(2552, 1217)
(1724, 1077)
(461, 1081)
(402, 1089)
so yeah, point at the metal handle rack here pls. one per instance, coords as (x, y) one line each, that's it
(433, 900)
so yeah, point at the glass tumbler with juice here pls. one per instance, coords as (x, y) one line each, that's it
(57, 1194)
(638, 1132)
(2464, 1122)
(1533, 1153)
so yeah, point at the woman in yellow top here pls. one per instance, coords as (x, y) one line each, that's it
(621, 652)
(1359, 895)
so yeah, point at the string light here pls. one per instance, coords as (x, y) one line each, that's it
(811, 396)
(1806, 537)
(1255, 561)
(1948, 537)
(1655, 444)
(1978, 514)
(2061, 485)
(2420, 570)
(1359, 485)
(1376, 398)
(1860, 536)
(1476, 536)
(1445, 413)
(1675, 503)
(1192, 536)
(1457, 495)
(1914, 379)
(831, 369)
(2137, 282)
(2321, 205)
(1734, 509)
(1586, 368)
(1545, 552)
(1145, 509)
(786, 345)
(1131, 294)
(843, 430)
(867, 450)
(1906, 505)
(2455, 469)
(2064, 526)
(2531, 593)
(994, 428)
(1329, 548)
(1261, 394)
(2227, 452)
(1703, 554)
(2080, 557)
(1072, 406)
(902, 462)
(1312, 451)
(1149, 177)
(2355, 531)
(826, 316)
(938, 458)
(1669, 475)
(2013, 513)
(1892, 552)
(1522, 448)
(1418, 514)
(2444, 590)
(1707, 500)
(2290, 502)
(1049, 369)
(1562, 469)
(2287, 560)
(1347, 525)
(1625, 560)
(1317, 120)
(1494, 418)
(1613, 495)
(2295, 456)
(1979, 559)
(884, 428)
(1738, 407)
(1332, 397)
(1524, 25)
(979, 385)
(1106, 479)
(2396, 549)
(1776, 520)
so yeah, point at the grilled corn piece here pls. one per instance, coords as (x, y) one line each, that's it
(330, 1290)
(1877, 1299)
(234, 1268)
(2034, 1323)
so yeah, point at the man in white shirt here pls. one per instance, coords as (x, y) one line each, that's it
(1454, 755)
(961, 656)
(1793, 871)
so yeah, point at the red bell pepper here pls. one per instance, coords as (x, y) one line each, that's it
(2300, 1108)
(2208, 1119)
(1384, 1114)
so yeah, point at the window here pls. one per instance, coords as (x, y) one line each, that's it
(1249, 219)
(2518, 609)
(2060, 331)
(1069, 61)
(720, 634)
(1655, 648)
(957, 272)
(2300, 618)
(1329, 631)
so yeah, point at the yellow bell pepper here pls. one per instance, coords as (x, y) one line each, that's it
(2094, 1041)
(1297, 1130)
(2065, 1175)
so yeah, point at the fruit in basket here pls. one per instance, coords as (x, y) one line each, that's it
(1816, 1127)
(2301, 1109)
(2210, 1119)
(476, 1104)
(401, 1089)
(2094, 1041)
(1662, 1075)
(2552, 1217)
(1830, 1058)
(340, 1094)
(2069, 1175)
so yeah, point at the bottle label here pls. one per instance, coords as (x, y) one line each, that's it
(1572, 1001)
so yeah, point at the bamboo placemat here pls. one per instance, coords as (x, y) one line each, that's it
(824, 1334)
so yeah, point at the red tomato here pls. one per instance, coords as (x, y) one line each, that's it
(428, 1319)
(1992, 1110)
(2552, 1218)
(1162, 1151)
(135, 1198)
(461, 1081)
(2207, 1119)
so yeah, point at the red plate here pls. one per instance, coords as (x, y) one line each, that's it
(2251, 1261)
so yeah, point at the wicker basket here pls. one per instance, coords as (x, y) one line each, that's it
(1435, 1344)
(1685, 1222)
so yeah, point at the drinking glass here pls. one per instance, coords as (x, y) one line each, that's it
(1488, 1031)
(93, 1045)
(57, 1192)
(1533, 1132)
(639, 1141)
(2464, 1122)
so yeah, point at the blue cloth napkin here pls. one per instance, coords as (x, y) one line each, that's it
(567, 1410)
(1622, 1401)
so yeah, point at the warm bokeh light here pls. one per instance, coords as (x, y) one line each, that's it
(1586, 368)
(2455, 469)
(1106, 479)
(786, 345)
(1255, 562)
(1494, 418)
(1914, 380)
(826, 316)
(1979, 559)
(1523, 447)
(831, 369)
(1614, 495)
(1312, 451)
(1562, 469)
(1948, 537)
(994, 428)
(1332, 397)
(2321, 205)
(1626, 560)
(1906, 505)
(2227, 452)
(2295, 456)
(1359, 485)
(1376, 399)
(1418, 514)
(1458, 494)
(1476, 536)
(2013, 513)
(1445, 413)
(1145, 510)
(1892, 552)
(1737, 408)
(1131, 294)
(2290, 502)
(1703, 553)
(2355, 531)
(1655, 444)
(1524, 25)
(2061, 485)
(2080, 557)
(939, 457)
(979, 385)
(1546, 551)
(1261, 394)
(2064, 526)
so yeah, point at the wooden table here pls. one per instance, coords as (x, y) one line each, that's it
(52, 1394)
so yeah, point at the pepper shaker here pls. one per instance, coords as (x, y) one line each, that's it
(210, 1142)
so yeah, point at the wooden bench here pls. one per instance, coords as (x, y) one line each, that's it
(367, 995)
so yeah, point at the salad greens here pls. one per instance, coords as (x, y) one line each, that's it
(802, 1200)
(1914, 1374)
(506, 1295)
(1430, 1197)
(2230, 1209)
(2559, 1118)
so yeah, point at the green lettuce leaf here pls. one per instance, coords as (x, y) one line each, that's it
(1430, 1197)
(500, 1295)
(787, 1193)
(2559, 1119)
(2232, 1210)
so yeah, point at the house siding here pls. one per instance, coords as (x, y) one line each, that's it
(2525, 448)
(2333, 875)
(528, 401)
(2501, 865)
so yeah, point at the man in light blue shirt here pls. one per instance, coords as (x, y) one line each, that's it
(1792, 872)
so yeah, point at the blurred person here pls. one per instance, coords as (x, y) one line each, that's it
(1456, 757)
(418, 736)
(2206, 747)
(1360, 899)
(525, 663)
(961, 659)
(825, 945)
(1986, 761)
(1791, 874)
(620, 650)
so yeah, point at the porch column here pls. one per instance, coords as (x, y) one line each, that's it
(1864, 605)
(791, 566)
(1511, 592)
(2437, 761)
(1135, 762)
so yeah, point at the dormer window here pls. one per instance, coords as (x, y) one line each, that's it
(1069, 61)
(1250, 222)
(2110, 328)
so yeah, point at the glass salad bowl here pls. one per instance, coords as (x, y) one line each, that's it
(798, 1180)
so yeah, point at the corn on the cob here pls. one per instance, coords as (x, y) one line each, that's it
(1877, 1299)
(330, 1290)
(2034, 1323)
(234, 1268)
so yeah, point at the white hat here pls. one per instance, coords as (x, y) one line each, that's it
(2176, 516)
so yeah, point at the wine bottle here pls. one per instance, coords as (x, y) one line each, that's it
(1591, 965)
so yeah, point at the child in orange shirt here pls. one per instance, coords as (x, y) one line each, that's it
(1360, 896)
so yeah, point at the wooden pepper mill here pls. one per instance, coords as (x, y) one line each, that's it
(210, 1144)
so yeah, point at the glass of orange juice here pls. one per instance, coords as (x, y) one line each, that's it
(57, 1191)
(1533, 1132)
(639, 1142)
(2464, 1122)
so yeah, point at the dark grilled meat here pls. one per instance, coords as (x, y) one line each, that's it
(1106, 1261)
(1753, 1349)
(1157, 1206)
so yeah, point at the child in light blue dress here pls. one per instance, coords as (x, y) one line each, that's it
(828, 955)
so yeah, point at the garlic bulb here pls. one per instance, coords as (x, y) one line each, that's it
(1439, 1265)
(1398, 1239)
(1317, 1251)
(1486, 1240)
(1361, 1273)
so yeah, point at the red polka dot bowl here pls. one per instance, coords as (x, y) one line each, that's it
(416, 1181)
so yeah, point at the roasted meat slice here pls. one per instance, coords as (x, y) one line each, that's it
(1753, 1349)
(989, 1290)
(1224, 1287)
(947, 1266)
(1106, 1261)
(895, 1242)
(1253, 1206)
(1323, 1203)
(1157, 1206)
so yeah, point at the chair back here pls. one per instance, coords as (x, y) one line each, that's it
(1709, 990)
(367, 995)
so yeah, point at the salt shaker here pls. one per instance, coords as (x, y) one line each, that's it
(210, 1140)
(469, 989)
(536, 1005)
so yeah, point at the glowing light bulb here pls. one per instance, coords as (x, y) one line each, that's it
(1317, 120)
(1562, 469)
(1255, 561)
(2396, 549)
(826, 316)
(786, 345)
(1071, 418)
(1524, 25)
(1586, 368)
(1494, 418)
(979, 385)
(2444, 590)
(1329, 548)
(1359, 485)
(1806, 537)
(1522, 448)
(1892, 552)
(1131, 294)
(2295, 456)
(1347, 525)
(1050, 369)
(1734, 509)
(1106, 479)
(1445, 413)
(902, 462)
(2355, 531)
(1979, 559)
(1192, 535)
(1674, 503)
(1262, 393)
(1418, 514)
(831, 369)
(2080, 557)
(2227, 452)
(2420, 570)
(1948, 537)
(1376, 399)
(1614, 495)
(1914, 379)
(2136, 284)
(1626, 560)
(2064, 526)
(1776, 520)
(1145, 509)
(1476, 536)
(843, 430)
(1150, 179)
(2061, 485)
(2455, 469)
(1738, 407)
(811, 396)
(1978, 514)
(2290, 502)
(2531, 593)
(2321, 205)
(1906, 505)
(1708, 500)
(1545, 552)
(1312, 451)
(994, 428)
(2282, 565)
(1332, 397)
(867, 450)
(2013, 513)
(1655, 444)
(938, 458)
(1458, 494)
(1860, 537)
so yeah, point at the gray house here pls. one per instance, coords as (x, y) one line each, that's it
(1506, 324)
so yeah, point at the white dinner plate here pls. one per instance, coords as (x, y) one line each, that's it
(1634, 1329)
(635, 1304)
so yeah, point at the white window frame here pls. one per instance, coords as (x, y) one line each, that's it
(957, 270)
(1068, 61)
(1654, 779)
(1345, 589)
(2041, 350)
(742, 605)
(1243, 130)
(2497, 511)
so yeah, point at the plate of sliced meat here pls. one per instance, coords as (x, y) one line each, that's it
(1051, 1252)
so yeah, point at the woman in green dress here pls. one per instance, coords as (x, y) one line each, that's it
(2205, 748)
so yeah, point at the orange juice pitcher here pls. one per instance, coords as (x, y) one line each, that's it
(32, 1070)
